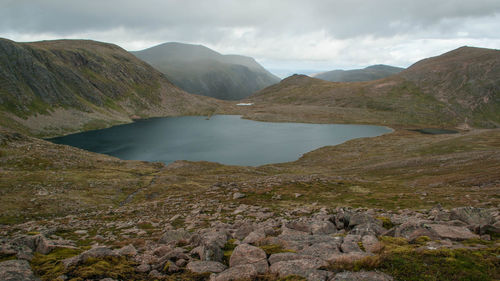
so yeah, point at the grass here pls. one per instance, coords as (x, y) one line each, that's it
(388, 172)
(405, 261)
(443, 265)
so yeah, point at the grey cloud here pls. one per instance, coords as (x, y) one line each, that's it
(340, 33)
(341, 19)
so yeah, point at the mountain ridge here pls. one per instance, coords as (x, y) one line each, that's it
(200, 70)
(457, 89)
(60, 86)
(372, 72)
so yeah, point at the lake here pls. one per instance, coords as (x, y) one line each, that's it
(226, 139)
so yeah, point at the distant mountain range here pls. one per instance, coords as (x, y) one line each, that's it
(55, 87)
(369, 73)
(200, 70)
(459, 88)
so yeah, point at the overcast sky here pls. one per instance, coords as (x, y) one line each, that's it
(291, 35)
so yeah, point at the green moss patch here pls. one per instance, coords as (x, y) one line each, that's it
(7, 257)
(443, 265)
(274, 249)
(228, 250)
(49, 267)
(107, 267)
(405, 261)
(386, 222)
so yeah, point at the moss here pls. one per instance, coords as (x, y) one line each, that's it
(145, 226)
(107, 267)
(49, 267)
(366, 263)
(275, 249)
(10, 220)
(228, 250)
(178, 223)
(475, 242)
(443, 265)
(405, 261)
(7, 257)
(422, 240)
(166, 266)
(361, 246)
(187, 276)
(386, 222)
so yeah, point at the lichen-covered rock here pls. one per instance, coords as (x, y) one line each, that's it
(98, 252)
(274, 258)
(206, 266)
(248, 254)
(370, 243)
(254, 237)
(128, 250)
(16, 270)
(472, 215)
(323, 227)
(239, 272)
(174, 236)
(350, 244)
(301, 267)
(322, 250)
(452, 232)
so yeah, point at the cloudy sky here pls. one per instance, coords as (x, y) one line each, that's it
(285, 36)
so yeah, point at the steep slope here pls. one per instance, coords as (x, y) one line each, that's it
(54, 87)
(369, 73)
(467, 79)
(200, 70)
(459, 88)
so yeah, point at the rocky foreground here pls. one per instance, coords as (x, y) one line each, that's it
(316, 244)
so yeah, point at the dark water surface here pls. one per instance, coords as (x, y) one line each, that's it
(226, 139)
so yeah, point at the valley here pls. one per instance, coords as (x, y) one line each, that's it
(393, 207)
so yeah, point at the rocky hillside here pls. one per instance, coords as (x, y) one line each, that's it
(200, 70)
(54, 87)
(460, 88)
(369, 73)
(71, 214)
(329, 245)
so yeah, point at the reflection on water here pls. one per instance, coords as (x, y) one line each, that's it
(226, 139)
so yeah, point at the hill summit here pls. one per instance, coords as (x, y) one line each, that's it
(200, 70)
(61, 86)
(369, 73)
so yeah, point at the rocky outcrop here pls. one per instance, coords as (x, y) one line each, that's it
(16, 270)
(247, 254)
(24, 246)
(245, 271)
(205, 266)
(309, 246)
(362, 276)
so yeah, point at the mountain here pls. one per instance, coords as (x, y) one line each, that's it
(460, 88)
(200, 70)
(369, 73)
(54, 87)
